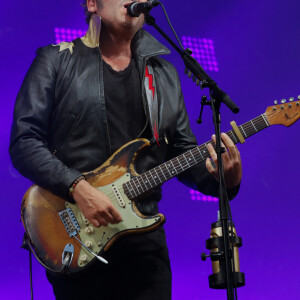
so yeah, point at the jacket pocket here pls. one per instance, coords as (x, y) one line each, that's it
(62, 136)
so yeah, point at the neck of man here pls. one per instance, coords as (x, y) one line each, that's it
(116, 47)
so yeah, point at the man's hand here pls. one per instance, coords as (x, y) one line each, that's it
(231, 161)
(95, 205)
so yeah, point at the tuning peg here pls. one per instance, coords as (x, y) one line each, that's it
(194, 78)
(189, 74)
(275, 102)
(283, 101)
(291, 99)
(186, 70)
(197, 82)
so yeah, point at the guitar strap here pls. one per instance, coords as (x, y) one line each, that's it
(151, 93)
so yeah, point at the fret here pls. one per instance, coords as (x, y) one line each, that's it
(184, 155)
(174, 168)
(142, 179)
(253, 126)
(132, 188)
(126, 190)
(179, 163)
(150, 172)
(241, 127)
(232, 135)
(138, 185)
(167, 167)
(193, 156)
(162, 171)
(170, 166)
(157, 175)
(167, 174)
(198, 148)
(147, 179)
(264, 118)
(205, 151)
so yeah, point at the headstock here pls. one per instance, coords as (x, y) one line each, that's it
(285, 113)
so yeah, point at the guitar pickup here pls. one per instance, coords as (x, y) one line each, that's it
(119, 196)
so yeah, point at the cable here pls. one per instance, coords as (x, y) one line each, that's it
(169, 22)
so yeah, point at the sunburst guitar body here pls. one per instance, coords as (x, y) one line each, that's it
(51, 222)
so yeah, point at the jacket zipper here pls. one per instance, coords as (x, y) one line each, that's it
(64, 133)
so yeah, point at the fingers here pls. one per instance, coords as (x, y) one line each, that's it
(232, 149)
(95, 205)
(105, 217)
(231, 161)
(108, 215)
(116, 215)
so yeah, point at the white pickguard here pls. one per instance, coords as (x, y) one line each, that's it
(96, 238)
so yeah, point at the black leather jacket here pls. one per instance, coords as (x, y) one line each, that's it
(60, 125)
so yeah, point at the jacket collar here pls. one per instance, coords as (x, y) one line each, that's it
(143, 44)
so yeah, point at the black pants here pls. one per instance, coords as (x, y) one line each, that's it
(138, 269)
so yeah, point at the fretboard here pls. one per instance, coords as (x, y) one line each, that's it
(149, 180)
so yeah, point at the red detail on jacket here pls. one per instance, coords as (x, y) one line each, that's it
(151, 87)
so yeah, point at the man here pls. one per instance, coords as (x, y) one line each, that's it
(78, 104)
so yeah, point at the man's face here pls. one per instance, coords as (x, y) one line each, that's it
(114, 15)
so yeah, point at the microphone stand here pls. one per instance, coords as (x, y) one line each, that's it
(217, 97)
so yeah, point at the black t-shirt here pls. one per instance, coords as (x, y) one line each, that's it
(124, 105)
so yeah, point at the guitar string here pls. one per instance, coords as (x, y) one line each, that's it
(181, 162)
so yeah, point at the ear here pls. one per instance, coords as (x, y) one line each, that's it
(91, 5)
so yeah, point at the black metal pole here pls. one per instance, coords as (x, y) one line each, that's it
(217, 96)
(223, 200)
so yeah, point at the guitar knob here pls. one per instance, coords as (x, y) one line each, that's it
(88, 244)
(83, 258)
(275, 102)
(283, 100)
(292, 99)
(89, 230)
(298, 97)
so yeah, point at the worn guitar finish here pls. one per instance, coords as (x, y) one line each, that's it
(52, 224)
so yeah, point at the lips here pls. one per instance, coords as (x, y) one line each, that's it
(128, 3)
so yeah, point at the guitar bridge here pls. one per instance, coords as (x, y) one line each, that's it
(69, 221)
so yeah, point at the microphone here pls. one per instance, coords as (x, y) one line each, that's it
(136, 8)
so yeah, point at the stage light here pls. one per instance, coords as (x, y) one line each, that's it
(203, 52)
(67, 34)
(197, 196)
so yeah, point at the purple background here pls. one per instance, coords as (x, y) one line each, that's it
(257, 48)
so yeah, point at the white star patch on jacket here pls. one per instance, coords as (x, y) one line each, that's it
(65, 45)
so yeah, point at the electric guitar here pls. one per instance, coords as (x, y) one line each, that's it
(60, 236)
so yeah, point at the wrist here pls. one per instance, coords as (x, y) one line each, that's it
(76, 182)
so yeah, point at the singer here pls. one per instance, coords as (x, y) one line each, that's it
(78, 104)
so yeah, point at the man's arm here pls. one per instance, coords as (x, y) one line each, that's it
(29, 150)
(203, 176)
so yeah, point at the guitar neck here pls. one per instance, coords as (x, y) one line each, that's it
(160, 174)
